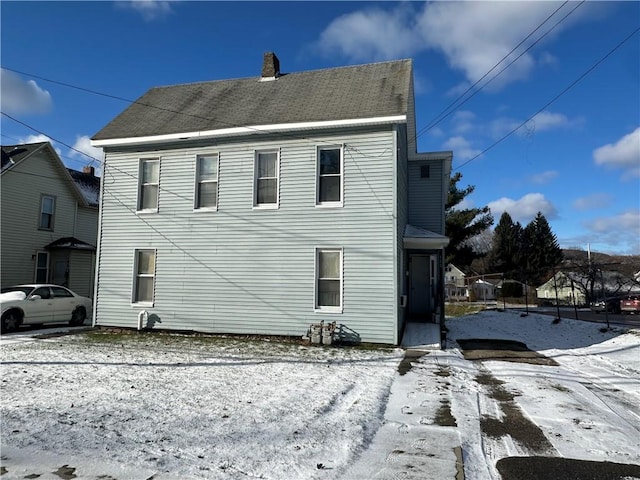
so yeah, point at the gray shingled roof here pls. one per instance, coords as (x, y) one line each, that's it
(363, 91)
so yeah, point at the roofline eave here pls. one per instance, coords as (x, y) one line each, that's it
(236, 131)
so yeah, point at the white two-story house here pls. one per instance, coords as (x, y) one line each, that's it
(49, 219)
(263, 205)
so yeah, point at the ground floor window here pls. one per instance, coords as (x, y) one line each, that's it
(145, 272)
(328, 279)
(42, 267)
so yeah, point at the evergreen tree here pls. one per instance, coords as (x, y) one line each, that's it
(463, 224)
(542, 252)
(507, 252)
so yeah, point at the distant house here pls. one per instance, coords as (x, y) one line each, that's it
(571, 287)
(565, 283)
(482, 290)
(264, 205)
(49, 219)
(455, 285)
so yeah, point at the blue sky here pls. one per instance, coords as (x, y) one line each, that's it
(577, 161)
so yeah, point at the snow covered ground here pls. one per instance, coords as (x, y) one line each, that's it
(98, 405)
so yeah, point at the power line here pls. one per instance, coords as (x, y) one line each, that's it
(549, 103)
(54, 139)
(440, 117)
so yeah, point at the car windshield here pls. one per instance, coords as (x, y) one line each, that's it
(25, 290)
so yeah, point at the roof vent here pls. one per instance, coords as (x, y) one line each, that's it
(88, 169)
(270, 67)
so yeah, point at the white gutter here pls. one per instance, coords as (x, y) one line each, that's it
(279, 127)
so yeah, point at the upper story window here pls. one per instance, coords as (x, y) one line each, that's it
(148, 184)
(47, 212)
(330, 179)
(206, 182)
(145, 272)
(266, 184)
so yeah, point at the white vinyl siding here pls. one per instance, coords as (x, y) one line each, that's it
(243, 270)
(145, 268)
(328, 269)
(206, 195)
(42, 268)
(330, 186)
(266, 184)
(149, 185)
(47, 212)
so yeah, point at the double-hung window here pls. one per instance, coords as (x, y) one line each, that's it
(145, 273)
(206, 182)
(330, 179)
(47, 212)
(42, 267)
(266, 184)
(148, 184)
(328, 294)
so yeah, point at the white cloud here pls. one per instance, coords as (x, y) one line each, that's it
(593, 201)
(149, 9)
(35, 139)
(524, 209)
(83, 143)
(548, 59)
(436, 132)
(629, 220)
(625, 154)
(542, 122)
(622, 230)
(38, 139)
(461, 147)
(473, 36)
(372, 34)
(546, 120)
(22, 97)
(544, 177)
(463, 122)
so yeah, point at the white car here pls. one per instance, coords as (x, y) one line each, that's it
(42, 303)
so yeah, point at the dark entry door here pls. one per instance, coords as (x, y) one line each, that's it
(419, 284)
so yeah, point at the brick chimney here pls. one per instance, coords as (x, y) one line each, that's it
(89, 169)
(270, 66)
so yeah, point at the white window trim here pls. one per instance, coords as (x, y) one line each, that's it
(328, 309)
(35, 270)
(196, 208)
(266, 206)
(134, 283)
(339, 203)
(53, 214)
(139, 195)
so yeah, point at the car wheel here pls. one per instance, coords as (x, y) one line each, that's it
(11, 321)
(78, 317)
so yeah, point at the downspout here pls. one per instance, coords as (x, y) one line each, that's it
(396, 259)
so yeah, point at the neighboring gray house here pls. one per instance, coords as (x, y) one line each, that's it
(264, 205)
(49, 219)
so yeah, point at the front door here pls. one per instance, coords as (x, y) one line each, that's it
(60, 270)
(419, 287)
